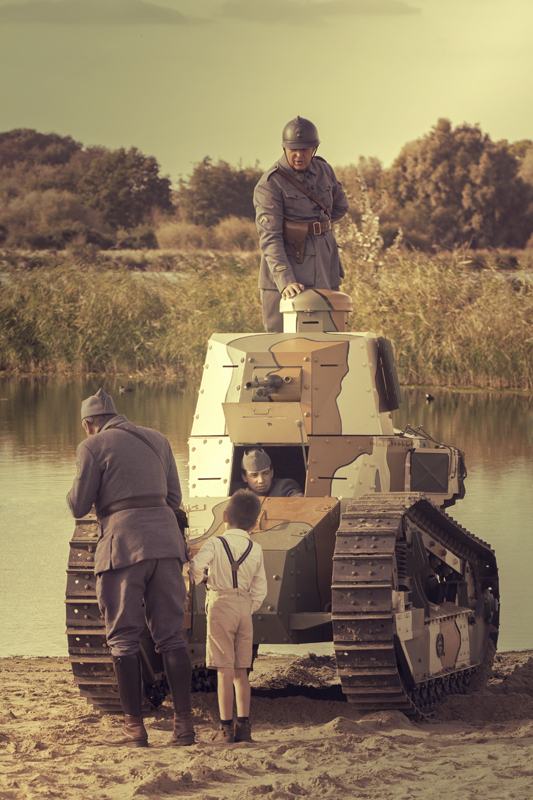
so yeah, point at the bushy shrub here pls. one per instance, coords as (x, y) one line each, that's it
(141, 238)
(49, 219)
(177, 235)
(235, 233)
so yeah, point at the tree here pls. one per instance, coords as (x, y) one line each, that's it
(526, 167)
(31, 147)
(460, 187)
(125, 186)
(216, 191)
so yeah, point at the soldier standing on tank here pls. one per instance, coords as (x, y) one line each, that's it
(296, 201)
(130, 475)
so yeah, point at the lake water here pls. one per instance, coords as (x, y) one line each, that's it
(40, 430)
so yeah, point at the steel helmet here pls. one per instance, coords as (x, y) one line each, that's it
(298, 133)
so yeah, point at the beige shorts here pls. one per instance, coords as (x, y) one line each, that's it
(230, 632)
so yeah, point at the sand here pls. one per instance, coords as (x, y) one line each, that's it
(307, 742)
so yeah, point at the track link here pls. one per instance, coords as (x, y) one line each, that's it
(370, 552)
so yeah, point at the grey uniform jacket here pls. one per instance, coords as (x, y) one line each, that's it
(275, 198)
(114, 465)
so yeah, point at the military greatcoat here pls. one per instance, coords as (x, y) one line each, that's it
(114, 465)
(140, 553)
(276, 199)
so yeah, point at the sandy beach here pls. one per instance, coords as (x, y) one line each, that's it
(308, 742)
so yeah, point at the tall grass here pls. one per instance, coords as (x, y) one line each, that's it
(98, 320)
(450, 325)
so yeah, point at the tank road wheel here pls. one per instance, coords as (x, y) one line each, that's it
(415, 604)
(92, 664)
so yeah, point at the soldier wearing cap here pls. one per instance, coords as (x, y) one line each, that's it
(130, 475)
(258, 474)
(294, 216)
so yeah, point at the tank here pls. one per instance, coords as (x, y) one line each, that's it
(367, 558)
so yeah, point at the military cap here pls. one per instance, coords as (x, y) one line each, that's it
(255, 460)
(99, 403)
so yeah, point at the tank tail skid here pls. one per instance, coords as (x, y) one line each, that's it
(384, 545)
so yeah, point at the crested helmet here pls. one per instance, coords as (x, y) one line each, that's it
(300, 132)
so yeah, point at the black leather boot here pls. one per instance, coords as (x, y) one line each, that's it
(178, 671)
(128, 674)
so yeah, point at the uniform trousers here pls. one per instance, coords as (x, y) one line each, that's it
(121, 592)
(272, 316)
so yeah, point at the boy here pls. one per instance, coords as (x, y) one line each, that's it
(236, 587)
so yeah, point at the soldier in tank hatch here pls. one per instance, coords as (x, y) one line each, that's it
(296, 201)
(130, 475)
(258, 474)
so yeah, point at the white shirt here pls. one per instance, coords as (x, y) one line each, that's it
(251, 573)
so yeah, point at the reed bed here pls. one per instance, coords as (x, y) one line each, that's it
(450, 325)
(119, 321)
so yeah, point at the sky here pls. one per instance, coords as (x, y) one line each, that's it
(182, 80)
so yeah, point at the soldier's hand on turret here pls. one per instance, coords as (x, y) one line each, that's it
(292, 290)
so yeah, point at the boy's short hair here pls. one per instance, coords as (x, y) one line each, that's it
(243, 509)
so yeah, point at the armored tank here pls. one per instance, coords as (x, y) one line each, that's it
(366, 558)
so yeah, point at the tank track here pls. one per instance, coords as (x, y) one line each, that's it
(91, 661)
(369, 553)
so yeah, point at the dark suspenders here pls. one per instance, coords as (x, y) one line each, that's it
(235, 564)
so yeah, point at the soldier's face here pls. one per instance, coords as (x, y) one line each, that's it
(259, 482)
(300, 159)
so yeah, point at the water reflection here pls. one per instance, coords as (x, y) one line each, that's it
(492, 427)
(40, 429)
(41, 417)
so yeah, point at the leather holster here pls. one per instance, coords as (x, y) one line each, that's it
(295, 234)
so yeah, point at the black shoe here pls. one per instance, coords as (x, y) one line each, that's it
(224, 734)
(243, 732)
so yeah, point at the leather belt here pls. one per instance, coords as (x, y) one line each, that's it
(319, 227)
(132, 502)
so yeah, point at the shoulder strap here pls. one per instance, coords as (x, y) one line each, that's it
(139, 436)
(235, 564)
(302, 188)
